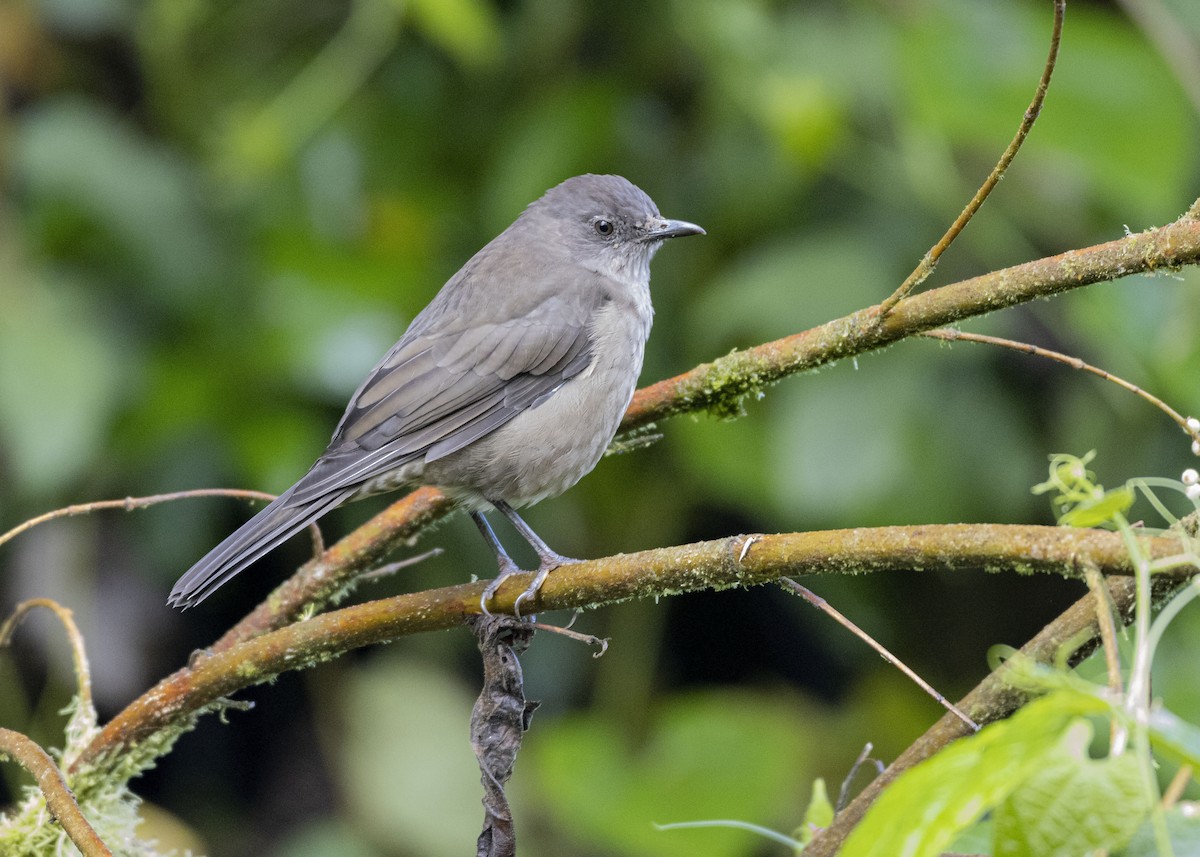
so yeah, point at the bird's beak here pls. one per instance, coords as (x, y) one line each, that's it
(664, 229)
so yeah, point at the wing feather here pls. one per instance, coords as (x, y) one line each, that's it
(437, 391)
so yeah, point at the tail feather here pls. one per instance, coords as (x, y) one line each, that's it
(275, 524)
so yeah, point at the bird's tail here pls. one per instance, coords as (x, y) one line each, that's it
(279, 521)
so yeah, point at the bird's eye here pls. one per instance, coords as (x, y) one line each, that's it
(604, 228)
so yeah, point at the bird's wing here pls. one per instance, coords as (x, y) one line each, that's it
(436, 391)
(461, 370)
(439, 390)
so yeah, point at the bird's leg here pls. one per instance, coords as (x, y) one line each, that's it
(507, 567)
(548, 559)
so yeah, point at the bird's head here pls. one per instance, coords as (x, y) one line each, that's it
(607, 224)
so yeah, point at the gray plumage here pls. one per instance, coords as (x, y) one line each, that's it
(506, 389)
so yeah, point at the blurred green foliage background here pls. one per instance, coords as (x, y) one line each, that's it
(216, 216)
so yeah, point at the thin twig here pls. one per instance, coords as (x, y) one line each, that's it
(1174, 790)
(1118, 734)
(824, 606)
(863, 757)
(83, 674)
(1108, 629)
(128, 504)
(929, 260)
(565, 631)
(950, 334)
(59, 799)
(393, 567)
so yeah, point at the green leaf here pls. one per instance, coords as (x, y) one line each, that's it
(465, 29)
(930, 805)
(1100, 511)
(819, 813)
(1183, 828)
(108, 195)
(61, 375)
(1072, 804)
(1172, 734)
(976, 839)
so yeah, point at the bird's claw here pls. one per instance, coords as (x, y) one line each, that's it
(533, 588)
(531, 591)
(490, 592)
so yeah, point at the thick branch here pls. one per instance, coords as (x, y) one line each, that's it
(721, 564)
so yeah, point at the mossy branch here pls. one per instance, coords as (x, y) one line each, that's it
(61, 803)
(172, 706)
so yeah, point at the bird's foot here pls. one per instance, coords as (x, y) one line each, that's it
(549, 562)
(507, 569)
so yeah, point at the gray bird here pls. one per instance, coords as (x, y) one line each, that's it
(506, 389)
